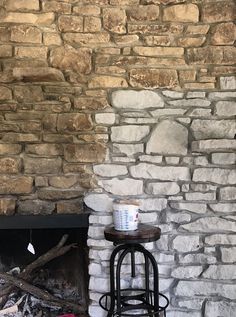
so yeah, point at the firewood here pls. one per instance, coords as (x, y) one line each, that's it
(13, 308)
(53, 253)
(41, 294)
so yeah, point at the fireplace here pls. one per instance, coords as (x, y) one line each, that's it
(65, 276)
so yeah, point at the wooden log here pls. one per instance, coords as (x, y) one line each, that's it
(53, 253)
(40, 294)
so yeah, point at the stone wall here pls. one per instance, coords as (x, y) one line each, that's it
(127, 98)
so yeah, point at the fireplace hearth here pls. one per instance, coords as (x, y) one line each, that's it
(65, 276)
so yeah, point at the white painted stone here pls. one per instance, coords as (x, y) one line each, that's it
(228, 83)
(139, 120)
(187, 272)
(215, 175)
(96, 232)
(199, 208)
(184, 121)
(172, 160)
(211, 145)
(167, 112)
(148, 217)
(220, 272)
(100, 220)
(164, 258)
(201, 160)
(165, 284)
(150, 158)
(169, 137)
(186, 243)
(193, 288)
(99, 284)
(195, 94)
(222, 95)
(228, 193)
(225, 108)
(198, 258)
(120, 159)
(163, 243)
(224, 207)
(185, 188)
(228, 254)
(190, 103)
(152, 204)
(163, 188)
(180, 313)
(95, 269)
(110, 170)
(173, 94)
(211, 224)
(101, 243)
(132, 99)
(99, 202)
(178, 217)
(192, 303)
(200, 196)
(199, 112)
(136, 114)
(221, 239)
(213, 129)
(220, 308)
(96, 311)
(128, 149)
(106, 118)
(203, 187)
(127, 186)
(129, 133)
(223, 158)
(150, 171)
(102, 255)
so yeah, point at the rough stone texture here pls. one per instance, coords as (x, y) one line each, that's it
(129, 133)
(225, 108)
(131, 99)
(114, 20)
(169, 137)
(220, 308)
(125, 186)
(153, 78)
(163, 188)
(210, 224)
(224, 34)
(7, 206)
(215, 175)
(186, 243)
(16, 185)
(181, 13)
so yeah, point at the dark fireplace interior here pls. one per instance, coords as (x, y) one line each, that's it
(65, 276)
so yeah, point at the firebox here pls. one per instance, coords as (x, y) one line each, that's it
(65, 276)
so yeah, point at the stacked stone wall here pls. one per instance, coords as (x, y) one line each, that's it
(127, 98)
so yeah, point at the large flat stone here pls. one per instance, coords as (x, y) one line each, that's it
(123, 187)
(86, 153)
(99, 202)
(16, 185)
(151, 171)
(186, 243)
(169, 137)
(220, 308)
(163, 188)
(44, 74)
(213, 144)
(220, 272)
(210, 224)
(129, 133)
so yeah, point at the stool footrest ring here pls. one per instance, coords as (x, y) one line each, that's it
(136, 300)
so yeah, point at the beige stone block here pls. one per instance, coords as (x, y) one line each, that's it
(91, 104)
(26, 34)
(74, 122)
(109, 70)
(44, 19)
(224, 34)
(40, 74)
(69, 23)
(199, 85)
(191, 41)
(181, 13)
(51, 39)
(124, 2)
(5, 93)
(212, 55)
(9, 165)
(25, 5)
(153, 78)
(16, 185)
(198, 29)
(36, 165)
(114, 20)
(63, 181)
(46, 149)
(20, 137)
(28, 93)
(31, 52)
(218, 11)
(85, 153)
(159, 51)
(5, 50)
(71, 207)
(123, 40)
(155, 28)
(143, 13)
(92, 24)
(68, 58)
(87, 38)
(107, 82)
(7, 206)
(55, 6)
(86, 10)
(187, 75)
(59, 194)
(158, 40)
(10, 149)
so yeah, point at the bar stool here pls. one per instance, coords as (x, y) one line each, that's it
(133, 301)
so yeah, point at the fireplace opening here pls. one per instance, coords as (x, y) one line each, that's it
(65, 276)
